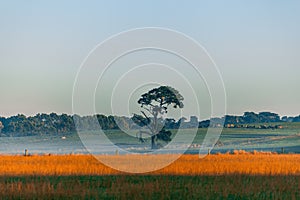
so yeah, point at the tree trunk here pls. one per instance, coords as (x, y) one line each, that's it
(154, 132)
(153, 142)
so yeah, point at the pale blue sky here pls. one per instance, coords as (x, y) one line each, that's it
(255, 44)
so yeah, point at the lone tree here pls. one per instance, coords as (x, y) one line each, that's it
(155, 103)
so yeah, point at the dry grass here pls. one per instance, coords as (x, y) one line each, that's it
(240, 175)
(222, 164)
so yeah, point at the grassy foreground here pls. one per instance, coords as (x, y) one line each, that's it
(150, 187)
(227, 176)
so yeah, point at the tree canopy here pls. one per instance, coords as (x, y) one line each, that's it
(154, 104)
(164, 96)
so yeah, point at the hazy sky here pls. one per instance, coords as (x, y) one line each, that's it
(255, 44)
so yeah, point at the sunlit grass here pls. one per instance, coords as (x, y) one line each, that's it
(238, 163)
(240, 175)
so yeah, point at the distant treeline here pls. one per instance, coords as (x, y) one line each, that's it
(231, 121)
(40, 124)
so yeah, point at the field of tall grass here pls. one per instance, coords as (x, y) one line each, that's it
(239, 162)
(240, 175)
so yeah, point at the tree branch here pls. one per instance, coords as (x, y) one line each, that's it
(150, 128)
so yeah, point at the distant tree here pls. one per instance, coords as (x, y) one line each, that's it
(231, 119)
(251, 117)
(284, 119)
(266, 117)
(296, 119)
(1, 126)
(181, 122)
(121, 122)
(194, 120)
(155, 103)
(103, 122)
(112, 123)
(170, 123)
(204, 124)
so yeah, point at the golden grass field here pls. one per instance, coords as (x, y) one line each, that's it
(225, 176)
(221, 164)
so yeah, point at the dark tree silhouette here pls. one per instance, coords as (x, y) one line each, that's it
(155, 103)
